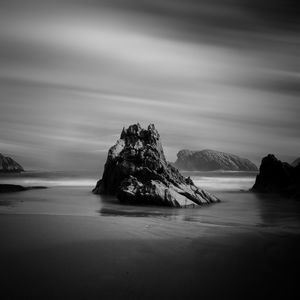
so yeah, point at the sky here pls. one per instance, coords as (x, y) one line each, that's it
(211, 74)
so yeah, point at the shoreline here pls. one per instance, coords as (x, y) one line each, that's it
(67, 243)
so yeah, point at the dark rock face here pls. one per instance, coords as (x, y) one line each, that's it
(296, 162)
(10, 188)
(277, 176)
(210, 160)
(8, 165)
(136, 171)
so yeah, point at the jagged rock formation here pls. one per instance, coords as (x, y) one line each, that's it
(8, 165)
(296, 162)
(211, 160)
(278, 177)
(136, 171)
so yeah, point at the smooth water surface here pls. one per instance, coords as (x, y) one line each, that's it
(71, 195)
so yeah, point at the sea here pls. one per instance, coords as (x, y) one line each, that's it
(70, 193)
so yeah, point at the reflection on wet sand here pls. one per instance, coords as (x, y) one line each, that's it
(278, 211)
(236, 209)
(110, 206)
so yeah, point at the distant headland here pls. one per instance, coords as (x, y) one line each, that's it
(8, 165)
(211, 160)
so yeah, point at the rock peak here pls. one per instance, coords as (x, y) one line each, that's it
(138, 131)
(136, 171)
(8, 165)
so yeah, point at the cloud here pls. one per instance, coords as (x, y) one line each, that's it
(209, 74)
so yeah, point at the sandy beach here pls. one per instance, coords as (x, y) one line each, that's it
(66, 243)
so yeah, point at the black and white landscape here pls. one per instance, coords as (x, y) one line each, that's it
(149, 149)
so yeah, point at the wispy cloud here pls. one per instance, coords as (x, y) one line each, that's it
(209, 74)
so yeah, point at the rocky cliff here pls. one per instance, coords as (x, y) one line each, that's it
(136, 171)
(276, 176)
(210, 160)
(8, 165)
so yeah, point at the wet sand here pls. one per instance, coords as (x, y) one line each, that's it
(78, 257)
(66, 243)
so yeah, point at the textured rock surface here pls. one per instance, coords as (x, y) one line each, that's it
(277, 176)
(210, 160)
(296, 162)
(7, 165)
(136, 171)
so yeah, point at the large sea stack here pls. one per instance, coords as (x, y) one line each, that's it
(8, 165)
(136, 171)
(276, 176)
(211, 160)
